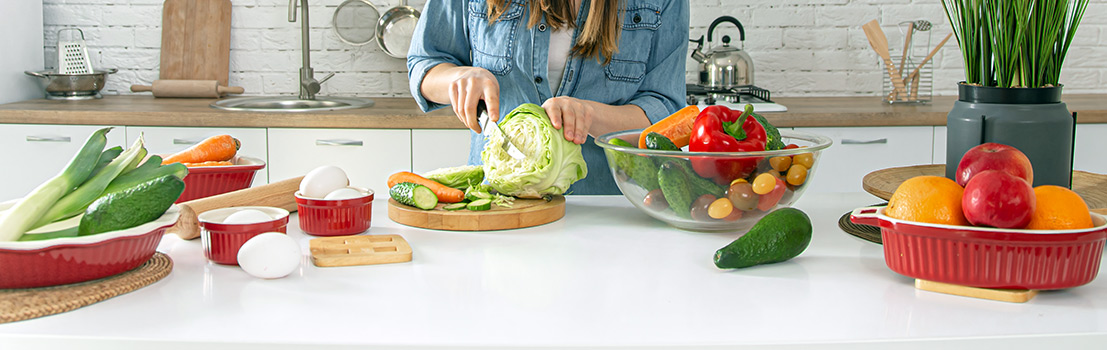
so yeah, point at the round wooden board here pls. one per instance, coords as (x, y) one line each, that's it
(523, 213)
(882, 183)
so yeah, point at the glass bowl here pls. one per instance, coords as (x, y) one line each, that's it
(634, 171)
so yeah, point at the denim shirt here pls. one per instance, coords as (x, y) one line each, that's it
(646, 71)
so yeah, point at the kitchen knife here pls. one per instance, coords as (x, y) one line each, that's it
(508, 145)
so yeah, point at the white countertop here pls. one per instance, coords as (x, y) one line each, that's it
(605, 276)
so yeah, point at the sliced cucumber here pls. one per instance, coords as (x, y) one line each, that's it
(455, 206)
(480, 204)
(414, 194)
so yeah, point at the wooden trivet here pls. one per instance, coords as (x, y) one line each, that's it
(1008, 295)
(882, 183)
(359, 250)
(24, 304)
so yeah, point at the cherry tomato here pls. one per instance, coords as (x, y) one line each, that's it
(741, 196)
(720, 208)
(805, 159)
(797, 175)
(700, 207)
(768, 201)
(764, 183)
(791, 146)
(735, 215)
(780, 163)
(655, 200)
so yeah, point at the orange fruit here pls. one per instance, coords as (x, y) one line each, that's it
(931, 199)
(1059, 208)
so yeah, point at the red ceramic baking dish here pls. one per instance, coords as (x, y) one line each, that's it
(207, 181)
(222, 241)
(77, 259)
(337, 217)
(989, 257)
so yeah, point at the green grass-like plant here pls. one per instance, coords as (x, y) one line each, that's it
(1014, 43)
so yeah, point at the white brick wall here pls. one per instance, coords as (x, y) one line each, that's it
(800, 47)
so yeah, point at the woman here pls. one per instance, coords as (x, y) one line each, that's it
(596, 66)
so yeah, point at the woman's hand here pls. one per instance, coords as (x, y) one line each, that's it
(572, 116)
(471, 85)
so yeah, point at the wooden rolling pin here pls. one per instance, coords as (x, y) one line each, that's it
(188, 88)
(277, 194)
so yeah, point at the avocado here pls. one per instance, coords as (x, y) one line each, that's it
(781, 235)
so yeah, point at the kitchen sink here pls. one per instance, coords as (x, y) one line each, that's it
(290, 104)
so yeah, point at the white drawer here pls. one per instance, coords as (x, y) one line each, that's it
(438, 148)
(1091, 140)
(35, 153)
(939, 145)
(367, 156)
(169, 140)
(859, 151)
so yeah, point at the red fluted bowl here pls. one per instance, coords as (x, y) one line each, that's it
(335, 217)
(207, 181)
(989, 257)
(222, 241)
(77, 259)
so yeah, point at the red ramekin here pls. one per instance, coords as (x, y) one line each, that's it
(222, 241)
(337, 217)
(207, 181)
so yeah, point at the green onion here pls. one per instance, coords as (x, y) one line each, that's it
(20, 217)
(75, 202)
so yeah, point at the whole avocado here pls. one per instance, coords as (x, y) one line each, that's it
(779, 236)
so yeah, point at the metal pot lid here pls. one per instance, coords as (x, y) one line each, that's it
(395, 28)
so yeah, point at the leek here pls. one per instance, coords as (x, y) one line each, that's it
(25, 213)
(75, 202)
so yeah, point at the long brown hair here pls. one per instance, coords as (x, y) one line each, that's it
(599, 38)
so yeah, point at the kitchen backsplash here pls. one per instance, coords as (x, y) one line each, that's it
(799, 47)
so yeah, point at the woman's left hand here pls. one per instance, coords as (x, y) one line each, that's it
(572, 116)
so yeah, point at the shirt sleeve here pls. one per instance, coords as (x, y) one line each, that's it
(441, 36)
(663, 89)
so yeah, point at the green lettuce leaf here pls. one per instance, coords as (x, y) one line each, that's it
(552, 163)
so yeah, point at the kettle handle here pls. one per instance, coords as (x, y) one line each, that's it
(711, 28)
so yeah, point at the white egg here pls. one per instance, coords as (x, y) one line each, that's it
(344, 193)
(247, 216)
(322, 180)
(269, 255)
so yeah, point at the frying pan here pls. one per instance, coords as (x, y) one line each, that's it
(394, 29)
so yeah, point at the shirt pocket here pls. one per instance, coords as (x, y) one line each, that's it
(640, 23)
(493, 43)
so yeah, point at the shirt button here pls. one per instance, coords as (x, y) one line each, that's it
(538, 80)
(542, 27)
(637, 18)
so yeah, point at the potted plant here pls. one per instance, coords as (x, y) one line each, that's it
(1013, 51)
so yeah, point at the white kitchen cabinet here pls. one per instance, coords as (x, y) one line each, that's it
(35, 153)
(367, 156)
(939, 145)
(1091, 140)
(169, 140)
(438, 148)
(860, 150)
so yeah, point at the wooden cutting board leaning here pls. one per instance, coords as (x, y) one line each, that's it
(196, 40)
(523, 213)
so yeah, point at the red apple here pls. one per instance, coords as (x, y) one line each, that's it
(998, 199)
(994, 156)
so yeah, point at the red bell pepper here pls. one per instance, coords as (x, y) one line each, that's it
(720, 129)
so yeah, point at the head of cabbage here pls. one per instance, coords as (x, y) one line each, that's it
(552, 163)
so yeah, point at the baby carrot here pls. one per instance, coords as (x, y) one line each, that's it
(215, 148)
(444, 193)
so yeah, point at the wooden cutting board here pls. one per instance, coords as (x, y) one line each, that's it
(882, 183)
(523, 213)
(196, 40)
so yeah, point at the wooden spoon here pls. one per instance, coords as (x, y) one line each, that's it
(879, 43)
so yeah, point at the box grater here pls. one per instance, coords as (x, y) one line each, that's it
(72, 54)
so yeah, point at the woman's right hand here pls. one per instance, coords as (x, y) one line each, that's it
(471, 85)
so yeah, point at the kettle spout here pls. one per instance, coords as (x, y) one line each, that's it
(697, 53)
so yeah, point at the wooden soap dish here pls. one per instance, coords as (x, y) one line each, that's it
(359, 250)
(1008, 295)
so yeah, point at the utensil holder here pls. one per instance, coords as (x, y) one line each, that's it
(917, 92)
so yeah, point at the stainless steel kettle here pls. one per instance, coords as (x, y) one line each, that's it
(725, 66)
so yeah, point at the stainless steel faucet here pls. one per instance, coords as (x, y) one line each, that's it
(308, 85)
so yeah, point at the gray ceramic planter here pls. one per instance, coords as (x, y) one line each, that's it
(1033, 120)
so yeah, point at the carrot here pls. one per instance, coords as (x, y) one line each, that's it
(209, 163)
(445, 193)
(677, 127)
(215, 148)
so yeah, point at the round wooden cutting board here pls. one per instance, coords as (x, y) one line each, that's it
(523, 213)
(882, 183)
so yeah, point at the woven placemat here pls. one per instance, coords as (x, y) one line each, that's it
(866, 232)
(24, 304)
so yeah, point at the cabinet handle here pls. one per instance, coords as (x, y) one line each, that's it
(864, 142)
(48, 139)
(338, 143)
(184, 142)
